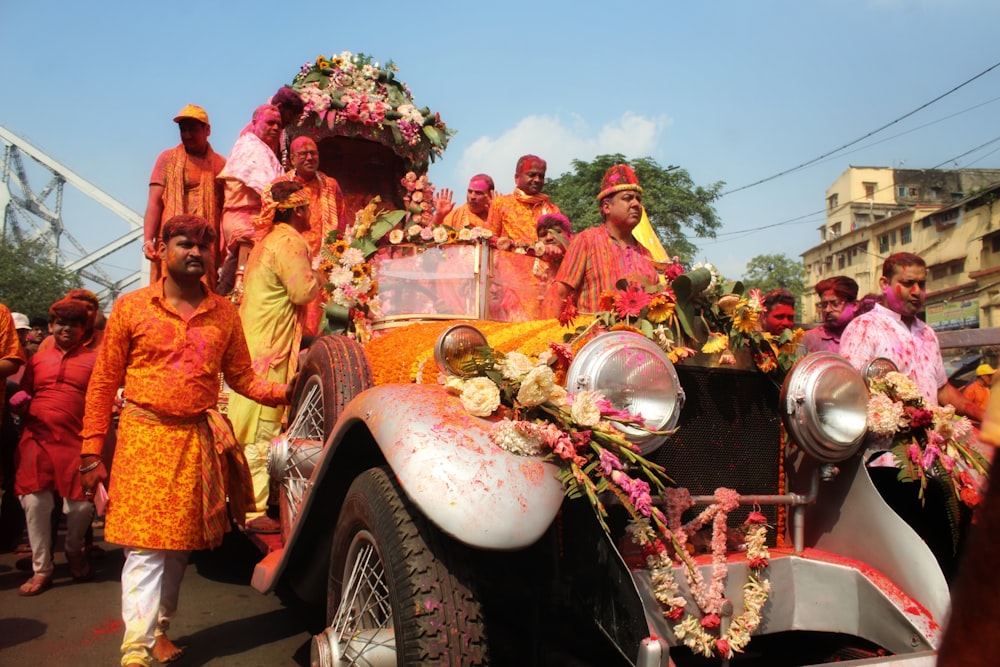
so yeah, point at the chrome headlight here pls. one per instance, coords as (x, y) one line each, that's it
(635, 375)
(456, 346)
(824, 406)
(877, 368)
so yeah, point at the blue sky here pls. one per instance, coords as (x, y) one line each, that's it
(731, 91)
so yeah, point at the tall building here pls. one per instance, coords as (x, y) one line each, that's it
(873, 212)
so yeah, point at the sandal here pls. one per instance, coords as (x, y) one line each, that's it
(35, 586)
(79, 566)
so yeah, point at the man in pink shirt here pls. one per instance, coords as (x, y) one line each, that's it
(896, 333)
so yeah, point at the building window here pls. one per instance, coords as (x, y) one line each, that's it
(883, 244)
(905, 235)
(995, 243)
(935, 193)
(832, 201)
(901, 191)
(870, 190)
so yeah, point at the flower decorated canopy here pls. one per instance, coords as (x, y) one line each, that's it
(354, 96)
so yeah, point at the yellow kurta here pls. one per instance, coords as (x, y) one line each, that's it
(278, 283)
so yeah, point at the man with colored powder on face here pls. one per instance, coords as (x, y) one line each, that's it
(894, 331)
(252, 166)
(779, 312)
(515, 215)
(280, 285)
(184, 181)
(327, 211)
(176, 460)
(597, 258)
(475, 210)
(838, 301)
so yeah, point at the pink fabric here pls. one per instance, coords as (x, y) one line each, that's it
(914, 349)
(252, 162)
(820, 339)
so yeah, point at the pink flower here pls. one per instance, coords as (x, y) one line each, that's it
(609, 461)
(931, 453)
(913, 451)
(920, 417)
(674, 269)
(563, 352)
(630, 301)
(722, 648)
(568, 312)
(711, 621)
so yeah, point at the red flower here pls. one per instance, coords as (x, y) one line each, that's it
(722, 648)
(711, 621)
(675, 613)
(757, 563)
(568, 312)
(607, 300)
(755, 517)
(920, 417)
(673, 270)
(630, 301)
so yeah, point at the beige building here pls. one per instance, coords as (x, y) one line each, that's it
(945, 216)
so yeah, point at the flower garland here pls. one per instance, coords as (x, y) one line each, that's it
(353, 94)
(927, 443)
(578, 433)
(696, 312)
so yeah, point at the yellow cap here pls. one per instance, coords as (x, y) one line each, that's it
(985, 369)
(192, 111)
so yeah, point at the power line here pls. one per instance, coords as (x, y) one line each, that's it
(862, 138)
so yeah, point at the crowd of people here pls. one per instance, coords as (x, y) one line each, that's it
(235, 245)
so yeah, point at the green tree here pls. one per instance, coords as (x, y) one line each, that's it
(30, 281)
(677, 208)
(768, 272)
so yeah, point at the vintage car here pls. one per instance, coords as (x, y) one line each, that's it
(431, 545)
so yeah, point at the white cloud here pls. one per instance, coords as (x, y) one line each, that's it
(559, 143)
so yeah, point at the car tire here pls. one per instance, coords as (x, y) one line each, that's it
(414, 573)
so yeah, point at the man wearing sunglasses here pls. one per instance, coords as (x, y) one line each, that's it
(838, 301)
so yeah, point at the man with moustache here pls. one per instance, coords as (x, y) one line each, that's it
(327, 211)
(176, 461)
(894, 331)
(599, 257)
(838, 301)
(515, 215)
(183, 181)
(475, 210)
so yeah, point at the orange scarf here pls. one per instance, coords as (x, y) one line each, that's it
(173, 186)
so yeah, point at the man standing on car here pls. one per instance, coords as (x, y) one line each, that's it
(280, 285)
(599, 257)
(515, 215)
(327, 212)
(475, 210)
(896, 333)
(176, 459)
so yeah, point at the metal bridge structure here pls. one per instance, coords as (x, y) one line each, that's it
(30, 214)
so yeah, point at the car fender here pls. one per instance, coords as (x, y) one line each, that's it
(470, 488)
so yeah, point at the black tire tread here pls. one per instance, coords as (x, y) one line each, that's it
(437, 613)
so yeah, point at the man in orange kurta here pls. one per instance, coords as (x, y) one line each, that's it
(474, 212)
(327, 211)
(176, 458)
(515, 215)
(183, 181)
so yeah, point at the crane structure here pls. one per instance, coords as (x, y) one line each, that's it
(37, 214)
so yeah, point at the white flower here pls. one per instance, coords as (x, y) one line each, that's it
(584, 409)
(559, 396)
(352, 257)
(515, 366)
(480, 396)
(454, 384)
(440, 234)
(536, 386)
(516, 437)
(340, 276)
(884, 415)
(465, 234)
(340, 298)
(413, 230)
(396, 236)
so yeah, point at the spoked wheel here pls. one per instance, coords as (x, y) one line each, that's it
(397, 593)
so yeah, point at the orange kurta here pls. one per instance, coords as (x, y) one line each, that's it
(461, 217)
(516, 215)
(170, 368)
